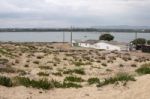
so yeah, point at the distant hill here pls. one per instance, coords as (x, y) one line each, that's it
(122, 27)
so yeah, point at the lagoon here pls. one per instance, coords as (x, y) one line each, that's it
(58, 36)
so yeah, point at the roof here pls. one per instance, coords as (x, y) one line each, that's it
(87, 41)
(91, 41)
(114, 42)
(102, 41)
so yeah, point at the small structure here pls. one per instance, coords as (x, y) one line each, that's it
(105, 45)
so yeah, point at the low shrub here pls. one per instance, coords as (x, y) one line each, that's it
(133, 65)
(71, 85)
(104, 64)
(93, 81)
(4, 61)
(39, 57)
(5, 81)
(57, 74)
(26, 65)
(36, 62)
(144, 69)
(11, 70)
(118, 78)
(78, 63)
(121, 65)
(43, 74)
(45, 67)
(42, 83)
(73, 79)
(77, 71)
(69, 71)
(7, 70)
(56, 84)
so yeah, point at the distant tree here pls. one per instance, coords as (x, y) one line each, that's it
(139, 41)
(107, 37)
(148, 42)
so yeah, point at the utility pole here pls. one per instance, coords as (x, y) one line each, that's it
(63, 37)
(136, 35)
(71, 36)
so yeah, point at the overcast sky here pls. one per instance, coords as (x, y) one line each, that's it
(65, 13)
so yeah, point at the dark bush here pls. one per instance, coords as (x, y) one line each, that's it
(139, 41)
(5, 81)
(107, 37)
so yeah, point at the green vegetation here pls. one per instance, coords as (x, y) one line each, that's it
(45, 67)
(4, 61)
(43, 74)
(73, 79)
(42, 83)
(93, 81)
(57, 74)
(118, 78)
(7, 70)
(144, 69)
(45, 84)
(11, 70)
(5, 52)
(77, 71)
(71, 85)
(148, 42)
(5, 81)
(107, 37)
(78, 63)
(139, 41)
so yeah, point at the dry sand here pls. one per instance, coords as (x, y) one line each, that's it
(134, 90)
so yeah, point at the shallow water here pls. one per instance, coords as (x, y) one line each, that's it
(58, 36)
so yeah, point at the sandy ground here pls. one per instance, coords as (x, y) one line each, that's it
(134, 90)
(29, 57)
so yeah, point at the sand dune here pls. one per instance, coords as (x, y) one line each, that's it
(134, 90)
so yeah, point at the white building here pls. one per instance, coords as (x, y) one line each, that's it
(105, 45)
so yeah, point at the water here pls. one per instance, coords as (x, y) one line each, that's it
(58, 36)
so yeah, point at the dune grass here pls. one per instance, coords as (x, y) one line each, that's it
(42, 83)
(121, 77)
(45, 84)
(144, 69)
(73, 79)
(71, 85)
(77, 71)
(45, 67)
(93, 81)
(43, 74)
(57, 74)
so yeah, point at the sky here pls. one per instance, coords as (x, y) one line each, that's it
(77, 13)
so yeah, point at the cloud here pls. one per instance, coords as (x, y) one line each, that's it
(62, 13)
